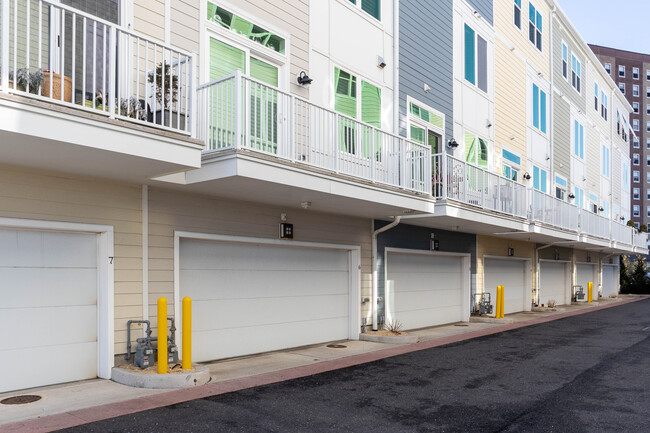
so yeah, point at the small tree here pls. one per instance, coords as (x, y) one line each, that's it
(630, 223)
(639, 276)
(643, 228)
(166, 86)
(624, 267)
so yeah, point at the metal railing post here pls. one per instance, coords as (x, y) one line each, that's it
(291, 131)
(193, 121)
(4, 49)
(237, 107)
(112, 85)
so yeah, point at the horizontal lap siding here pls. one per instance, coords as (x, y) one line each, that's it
(171, 211)
(485, 8)
(487, 245)
(56, 197)
(561, 138)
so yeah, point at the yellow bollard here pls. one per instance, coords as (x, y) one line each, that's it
(503, 301)
(187, 334)
(590, 291)
(162, 336)
(498, 303)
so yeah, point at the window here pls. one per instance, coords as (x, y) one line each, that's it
(608, 68)
(476, 150)
(621, 70)
(576, 72)
(603, 107)
(593, 203)
(635, 73)
(635, 107)
(539, 109)
(539, 179)
(647, 178)
(578, 140)
(647, 74)
(534, 26)
(635, 124)
(635, 143)
(635, 177)
(426, 127)
(648, 193)
(635, 210)
(606, 161)
(373, 7)
(565, 61)
(580, 197)
(647, 160)
(621, 87)
(560, 187)
(648, 211)
(596, 105)
(647, 109)
(475, 59)
(635, 90)
(647, 143)
(635, 159)
(517, 14)
(511, 164)
(625, 174)
(647, 126)
(636, 195)
(647, 92)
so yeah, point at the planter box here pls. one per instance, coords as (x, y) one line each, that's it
(56, 87)
(176, 120)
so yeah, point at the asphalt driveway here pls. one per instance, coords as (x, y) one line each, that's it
(587, 373)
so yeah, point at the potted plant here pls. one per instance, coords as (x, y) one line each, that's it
(166, 93)
(25, 78)
(56, 86)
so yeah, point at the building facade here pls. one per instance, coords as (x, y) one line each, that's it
(298, 169)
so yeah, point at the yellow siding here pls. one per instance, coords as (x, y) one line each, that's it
(58, 197)
(491, 246)
(149, 18)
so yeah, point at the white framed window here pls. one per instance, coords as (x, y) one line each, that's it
(604, 105)
(635, 73)
(578, 139)
(425, 125)
(596, 94)
(648, 211)
(635, 143)
(539, 109)
(561, 187)
(636, 193)
(647, 143)
(511, 164)
(576, 72)
(647, 74)
(534, 26)
(621, 70)
(540, 179)
(608, 68)
(647, 126)
(635, 176)
(635, 107)
(647, 177)
(647, 160)
(635, 210)
(605, 163)
(580, 197)
(476, 71)
(621, 87)
(372, 7)
(635, 159)
(565, 60)
(647, 193)
(517, 14)
(647, 92)
(635, 90)
(647, 109)
(635, 124)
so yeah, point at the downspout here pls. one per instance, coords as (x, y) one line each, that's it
(395, 68)
(551, 98)
(375, 268)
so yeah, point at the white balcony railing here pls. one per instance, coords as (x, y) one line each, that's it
(56, 53)
(553, 211)
(239, 112)
(594, 225)
(457, 180)
(641, 240)
(622, 233)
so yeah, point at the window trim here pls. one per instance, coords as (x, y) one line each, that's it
(517, 5)
(539, 32)
(540, 116)
(476, 73)
(578, 81)
(565, 62)
(608, 68)
(636, 193)
(619, 71)
(412, 119)
(635, 90)
(357, 4)
(638, 73)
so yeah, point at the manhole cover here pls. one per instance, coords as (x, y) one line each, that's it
(461, 324)
(21, 399)
(336, 346)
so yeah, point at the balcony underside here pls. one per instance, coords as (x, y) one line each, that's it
(42, 135)
(250, 177)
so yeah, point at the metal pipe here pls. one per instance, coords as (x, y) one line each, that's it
(375, 281)
(128, 336)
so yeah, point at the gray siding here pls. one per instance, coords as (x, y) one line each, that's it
(560, 82)
(561, 138)
(425, 56)
(485, 8)
(419, 238)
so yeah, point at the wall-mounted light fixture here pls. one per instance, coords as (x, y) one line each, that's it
(427, 88)
(527, 176)
(303, 79)
(305, 204)
(381, 63)
(452, 143)
(601, 209)
(571, 196)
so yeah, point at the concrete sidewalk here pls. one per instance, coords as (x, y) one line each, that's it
(77, 403)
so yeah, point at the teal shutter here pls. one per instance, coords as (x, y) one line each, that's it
(535, 106)
(373, 7)
(542, 111)
(543, 173)
(536, 178)
(470, 56)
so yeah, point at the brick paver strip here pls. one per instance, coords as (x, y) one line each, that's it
(83, 416)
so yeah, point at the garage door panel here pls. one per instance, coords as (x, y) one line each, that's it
(422, 318)
(44, 249)
(219, 284)
(58, 361)
(425, 282)
(553, 283)
(413, 300)
(610, 280)
(416, 264)
(229, 256)
(512, 275)
(47, 326)
(585, 274)
(38, 287)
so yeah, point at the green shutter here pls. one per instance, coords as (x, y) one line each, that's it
(373, 7)
(224, 59)
(470, 56)
(264, 72)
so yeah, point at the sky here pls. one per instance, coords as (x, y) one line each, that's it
(610, 24)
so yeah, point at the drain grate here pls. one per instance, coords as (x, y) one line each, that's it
(336, 346)
(21, 399)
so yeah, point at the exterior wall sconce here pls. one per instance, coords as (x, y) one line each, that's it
(572, 196)
(381, 63)
(527, 176)
(452, 143)
(303, 79)
(601, 209)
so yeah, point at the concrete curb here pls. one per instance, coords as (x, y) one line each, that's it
(547, 310)
(189, 379)
(84, 416)
(490, 320)
(389, 339)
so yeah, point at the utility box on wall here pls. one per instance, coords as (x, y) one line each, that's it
(286, 231)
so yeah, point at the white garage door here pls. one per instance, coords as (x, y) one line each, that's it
(424, 290)
(512, 275)
(252, 298)
(610, 280)
(553, 283)
(584, 274)
(48, 308)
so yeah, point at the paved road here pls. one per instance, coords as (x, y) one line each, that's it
(589, 373)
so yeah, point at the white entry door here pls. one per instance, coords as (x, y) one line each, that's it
(554, 283)
(610, 280)
(48, 308)
(512, 275)
(423, 289)
(586, 273)
(254, 297)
